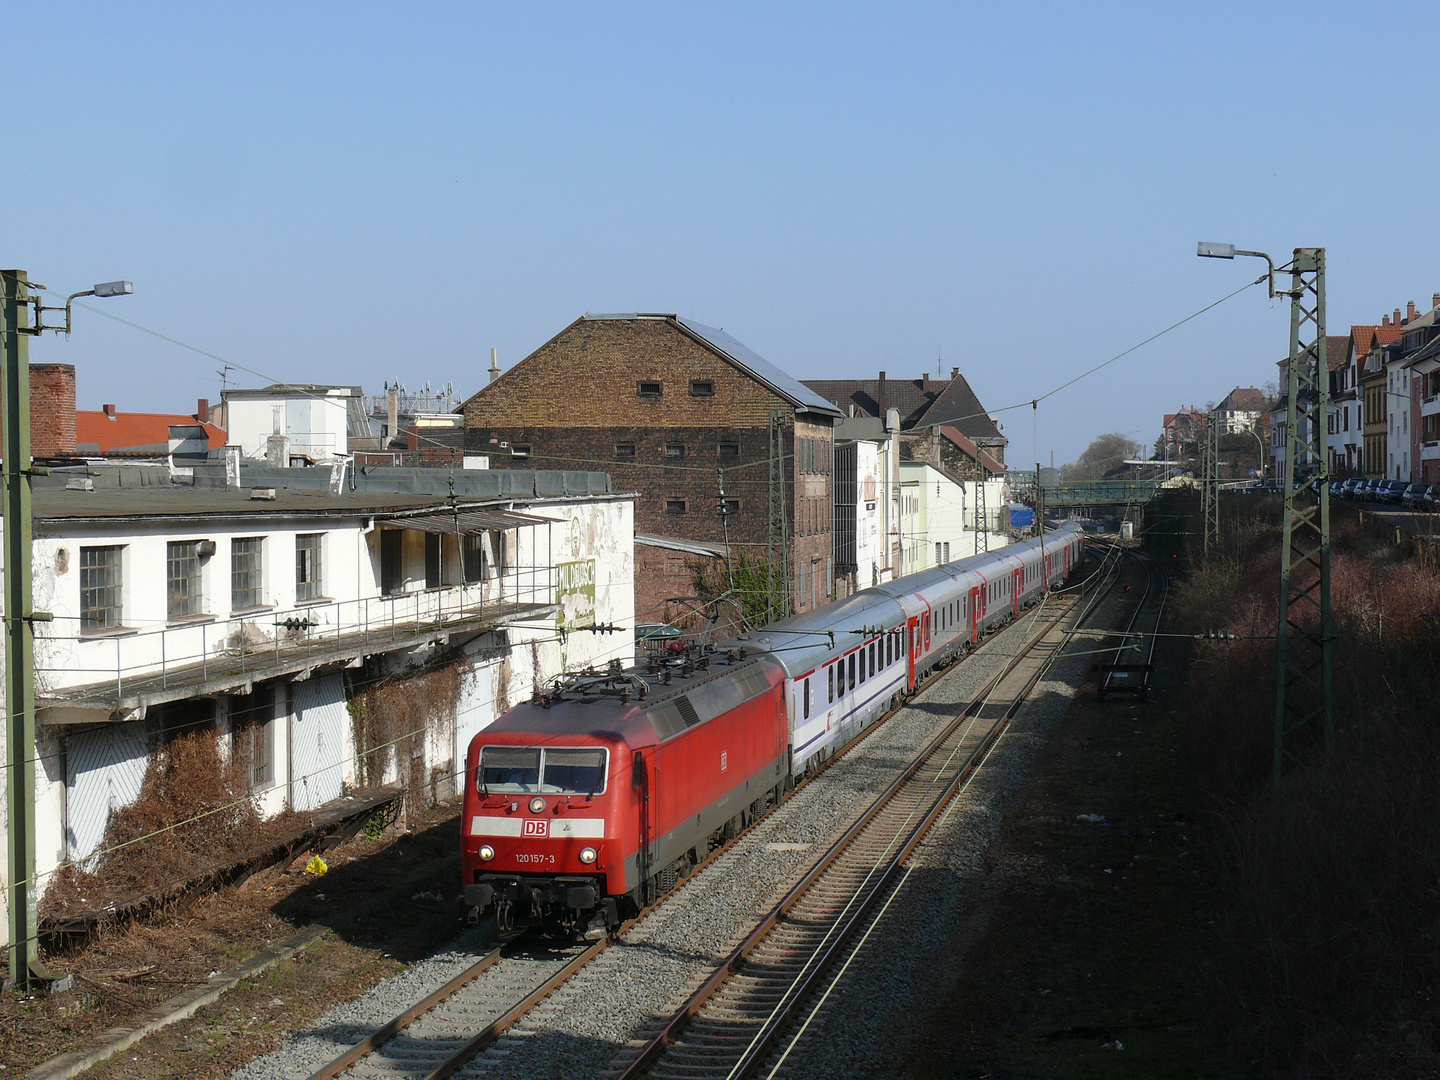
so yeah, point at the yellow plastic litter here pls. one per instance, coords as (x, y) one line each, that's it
(316, 866)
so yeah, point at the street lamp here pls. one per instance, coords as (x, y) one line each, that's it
(104, 290)
(1207, 250)
(17, 303)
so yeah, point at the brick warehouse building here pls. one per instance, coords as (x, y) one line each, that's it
(666, 406)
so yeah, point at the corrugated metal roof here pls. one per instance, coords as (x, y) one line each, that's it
(762, 369)
(468, 521)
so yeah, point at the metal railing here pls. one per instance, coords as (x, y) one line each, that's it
(261, 640)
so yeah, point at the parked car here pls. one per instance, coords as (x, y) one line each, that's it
(1350, 487)
(1390, 492)
(1431, 501)
(1413, 496)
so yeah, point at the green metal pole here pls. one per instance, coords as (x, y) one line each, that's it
(19, 633)
(1303, 676)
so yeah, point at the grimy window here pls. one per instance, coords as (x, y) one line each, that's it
(182, 579)
(100, 587)
(245, 571)
(307, 566)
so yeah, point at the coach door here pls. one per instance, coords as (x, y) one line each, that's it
(1067, 560)
(1015, 589)
(975, 616)
(912, 646)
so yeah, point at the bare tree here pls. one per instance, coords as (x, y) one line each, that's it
(1105, 454)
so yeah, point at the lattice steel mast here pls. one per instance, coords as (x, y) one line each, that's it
(1302, 667)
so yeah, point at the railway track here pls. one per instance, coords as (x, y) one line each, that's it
(1120, 677)
(437, 1036)
(735, 1022)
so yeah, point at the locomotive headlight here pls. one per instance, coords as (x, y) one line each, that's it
(587, 855)
(486, 852)
(537, 806)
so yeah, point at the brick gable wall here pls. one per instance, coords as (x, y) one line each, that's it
(575, 399)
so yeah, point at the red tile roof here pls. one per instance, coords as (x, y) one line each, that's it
(134, 432)
(1365, 337)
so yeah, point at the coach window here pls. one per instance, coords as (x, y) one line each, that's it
(830, 673)
(852, 671)
(872, 658)
(862, 663)
(807, 699)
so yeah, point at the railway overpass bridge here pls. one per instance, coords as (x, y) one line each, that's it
(1072, 495)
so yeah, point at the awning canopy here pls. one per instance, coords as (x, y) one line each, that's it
(467, 522)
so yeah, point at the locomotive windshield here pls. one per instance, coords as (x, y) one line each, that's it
(528, 770)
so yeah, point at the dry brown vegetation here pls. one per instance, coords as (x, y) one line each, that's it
(195, 813)
(1328, 950)
(392, 718)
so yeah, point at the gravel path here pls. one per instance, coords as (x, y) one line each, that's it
(580, 1029)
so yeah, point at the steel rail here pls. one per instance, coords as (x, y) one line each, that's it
(520, 1009)
(669, 1034)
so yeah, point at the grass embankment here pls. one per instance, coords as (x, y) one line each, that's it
(1328, 939)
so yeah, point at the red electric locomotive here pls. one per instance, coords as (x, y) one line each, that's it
(589, 801)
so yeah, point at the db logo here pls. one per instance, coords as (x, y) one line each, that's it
(536, 827)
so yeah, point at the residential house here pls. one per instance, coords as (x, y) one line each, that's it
(1367, 344)
(256, 607)
(1336, 348)
(718, 441)
(919, 404)
(1179, 430)
(1242, 410)
(1355, 400)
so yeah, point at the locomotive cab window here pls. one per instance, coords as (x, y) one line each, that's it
(525, 770)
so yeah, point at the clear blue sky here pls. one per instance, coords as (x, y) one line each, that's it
(360, 192)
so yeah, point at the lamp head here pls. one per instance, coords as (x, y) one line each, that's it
(113, 288)
(1215, 251)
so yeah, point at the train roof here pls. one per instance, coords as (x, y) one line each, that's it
(801, 643)
(642, 705)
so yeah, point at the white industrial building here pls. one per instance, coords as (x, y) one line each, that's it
(945, 520)
(252, 612)
(298, 424)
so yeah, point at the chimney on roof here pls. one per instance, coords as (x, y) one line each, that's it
(109, 411)
(202, 409)
(392, 414)
(1409, 311)
(880, 395)
(1384, 320)
(1435, 300)
(925, 382)
(1395, 319)
(494, 364)
(954, 373)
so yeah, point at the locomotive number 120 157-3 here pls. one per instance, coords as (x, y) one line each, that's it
(523, 858)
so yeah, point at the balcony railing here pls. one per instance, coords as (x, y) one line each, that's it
(125, 661)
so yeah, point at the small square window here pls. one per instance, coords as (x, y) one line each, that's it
(649, 389)
(729, 450)
(730, 507)
(675, 450)
(625, 451)
(520, 450)
(674, 506)
(702, 388)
